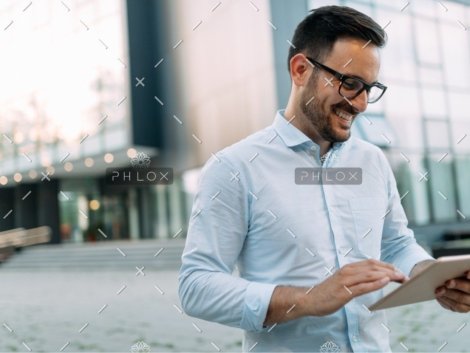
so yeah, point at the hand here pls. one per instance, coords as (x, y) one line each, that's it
(349, 282)
(454, 295)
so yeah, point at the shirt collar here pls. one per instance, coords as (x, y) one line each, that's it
(294, 137)
(289, 133)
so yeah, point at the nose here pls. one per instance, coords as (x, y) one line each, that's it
(360, 102)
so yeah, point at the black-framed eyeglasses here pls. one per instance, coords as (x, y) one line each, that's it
(351, 87)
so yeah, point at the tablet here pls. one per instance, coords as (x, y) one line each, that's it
(422, 286)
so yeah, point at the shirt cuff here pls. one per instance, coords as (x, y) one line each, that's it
(257, 299)
(407, 265)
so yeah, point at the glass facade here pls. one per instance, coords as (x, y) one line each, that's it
(67, 86)
(66, 114)
(425, 66)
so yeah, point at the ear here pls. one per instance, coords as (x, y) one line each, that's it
(300, 69)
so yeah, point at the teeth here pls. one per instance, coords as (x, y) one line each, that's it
(343, 115)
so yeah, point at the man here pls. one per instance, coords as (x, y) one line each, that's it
(311, 258)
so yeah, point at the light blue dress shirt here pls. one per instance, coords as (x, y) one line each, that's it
(252, 228)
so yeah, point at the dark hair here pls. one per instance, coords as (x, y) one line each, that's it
(318, 32)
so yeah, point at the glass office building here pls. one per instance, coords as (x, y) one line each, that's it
(76, 100)
(422, 123)
(88, 84)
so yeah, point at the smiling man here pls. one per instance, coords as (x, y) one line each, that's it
(311, 258)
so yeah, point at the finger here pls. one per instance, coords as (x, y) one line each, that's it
(440, 291)
(455, 306)
(391, 270)
(363, 277)
(404, 280)
(459, 284)
(371, 276)
(368, 287)
(368, 266)
(443, 304)
(457, 296)
(446, 303)
(373, 264)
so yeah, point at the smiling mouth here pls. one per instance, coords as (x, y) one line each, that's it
(344, 115)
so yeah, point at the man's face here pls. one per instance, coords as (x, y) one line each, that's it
(329, 113)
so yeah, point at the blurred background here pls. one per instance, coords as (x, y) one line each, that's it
(93, 84)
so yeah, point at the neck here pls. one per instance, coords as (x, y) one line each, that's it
(302, 123)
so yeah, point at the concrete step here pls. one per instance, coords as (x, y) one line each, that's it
(57, 254)
(152, 254)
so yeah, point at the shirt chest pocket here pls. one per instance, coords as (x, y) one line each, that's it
(368, 214)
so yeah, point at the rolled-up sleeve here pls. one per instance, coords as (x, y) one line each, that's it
(218, 226)
(257, 298)
(399, 245)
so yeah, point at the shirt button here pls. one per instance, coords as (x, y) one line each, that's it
(354, 338)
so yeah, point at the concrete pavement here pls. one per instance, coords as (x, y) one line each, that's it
(125, 309)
